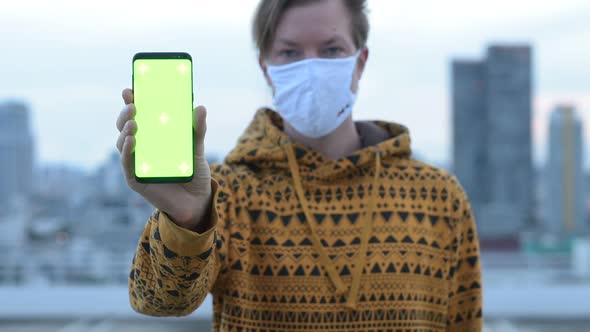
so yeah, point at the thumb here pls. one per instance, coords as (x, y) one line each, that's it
(200, 126)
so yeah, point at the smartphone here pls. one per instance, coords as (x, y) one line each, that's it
(163, 98)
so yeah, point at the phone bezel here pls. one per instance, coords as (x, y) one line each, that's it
(166, 56)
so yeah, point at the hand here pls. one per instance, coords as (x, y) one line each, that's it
(187, 204)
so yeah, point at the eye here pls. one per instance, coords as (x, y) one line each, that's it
(333, 51)
(288, 53)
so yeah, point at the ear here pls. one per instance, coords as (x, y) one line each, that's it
(360, 68)
(264, 69)
(361, 62)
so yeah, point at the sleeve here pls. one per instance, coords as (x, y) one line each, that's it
(174, 268)
(465, 293)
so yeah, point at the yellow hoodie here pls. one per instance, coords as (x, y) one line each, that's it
(375, 241)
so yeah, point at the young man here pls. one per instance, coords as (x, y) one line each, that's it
(313, 221)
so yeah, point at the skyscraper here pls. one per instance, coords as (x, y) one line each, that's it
(16, 151)
(492, 141)
(565, 179)
(469, 126)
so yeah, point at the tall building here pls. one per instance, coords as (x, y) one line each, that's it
(565, 201)
(469, 125)
(16, 151)
(492, 141)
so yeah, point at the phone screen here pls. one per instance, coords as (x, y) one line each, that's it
(163, 97)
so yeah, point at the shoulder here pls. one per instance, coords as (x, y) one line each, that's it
(443, 179)
(421, 170)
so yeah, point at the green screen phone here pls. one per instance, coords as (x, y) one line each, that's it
(163, 98)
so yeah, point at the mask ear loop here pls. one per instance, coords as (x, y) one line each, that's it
(356, 55)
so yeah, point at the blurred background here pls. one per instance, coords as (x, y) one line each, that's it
(497, 92)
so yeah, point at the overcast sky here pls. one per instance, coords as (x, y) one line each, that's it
(70, 59)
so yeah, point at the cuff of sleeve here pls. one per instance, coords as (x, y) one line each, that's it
(185, 242)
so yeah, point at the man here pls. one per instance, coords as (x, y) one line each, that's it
(313, 221)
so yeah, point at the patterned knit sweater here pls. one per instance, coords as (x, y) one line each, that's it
(375, 241)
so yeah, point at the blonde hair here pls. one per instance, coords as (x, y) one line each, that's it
(269, 12)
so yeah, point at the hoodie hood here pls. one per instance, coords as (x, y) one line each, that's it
(263, 145)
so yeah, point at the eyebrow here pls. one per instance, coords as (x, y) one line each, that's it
(332, 40)
(327, 42)
(288, 42)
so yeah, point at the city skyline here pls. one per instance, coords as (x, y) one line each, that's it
(492, 139)
(74, 89)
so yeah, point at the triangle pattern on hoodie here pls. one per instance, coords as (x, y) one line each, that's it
(287, 259)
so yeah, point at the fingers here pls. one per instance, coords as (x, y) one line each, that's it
(200, 125)
(127, 96)
(127, 160)
(126, 114)
(129, 129)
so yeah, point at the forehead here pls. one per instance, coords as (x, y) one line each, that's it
(315, 21)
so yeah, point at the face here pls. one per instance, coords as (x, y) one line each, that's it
(319, 29)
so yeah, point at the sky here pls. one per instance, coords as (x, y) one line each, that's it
(69, 60)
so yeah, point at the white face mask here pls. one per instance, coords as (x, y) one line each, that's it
(314, 95)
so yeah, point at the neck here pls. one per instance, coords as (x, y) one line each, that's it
(340, 143)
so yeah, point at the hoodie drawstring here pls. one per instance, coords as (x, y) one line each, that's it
(316, 241)
(366, 231)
